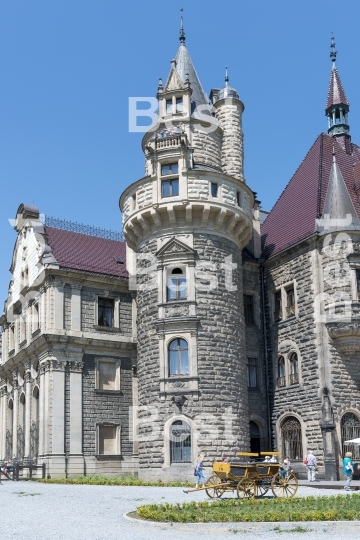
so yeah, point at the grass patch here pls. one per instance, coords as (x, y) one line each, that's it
(334, 508)
(99, 480)
(24, 494)
(296, 529)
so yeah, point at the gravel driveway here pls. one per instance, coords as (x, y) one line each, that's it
(67, 512)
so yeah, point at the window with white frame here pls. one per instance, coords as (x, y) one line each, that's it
(290, 302)
(108, 439)
(178, 357)
(108, 375)
(294, 368)
(278, 306)
(176, 287)
(106, 312)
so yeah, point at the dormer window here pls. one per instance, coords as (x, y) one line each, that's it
(179, 105)
(169, 106)
(169, 168)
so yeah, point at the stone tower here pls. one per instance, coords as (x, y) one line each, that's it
(185, 224)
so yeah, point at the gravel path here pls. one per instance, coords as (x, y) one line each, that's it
(67, 512)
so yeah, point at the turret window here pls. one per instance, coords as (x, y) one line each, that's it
(179, 105)
(169, 106)
(170, 188)
(238, 198)
(176, 285)
(178, 357)
(169, 168)
(214, 189)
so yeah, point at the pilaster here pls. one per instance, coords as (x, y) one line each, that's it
(76, 458)
(15, 411)
(27, 382)
(76, 307)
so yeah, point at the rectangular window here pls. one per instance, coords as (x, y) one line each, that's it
(176, 288)
(107, 440)
(278, 306)
(290, 302)
(249, 309)
(238, 198)
(170, 188)
(179, 105)
(36, 322)
(169, 106)
(106, 312)
(214, 189)
(107, 375)
(169, 168)
(252, 372)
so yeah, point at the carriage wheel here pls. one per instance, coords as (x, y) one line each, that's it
(213, 492)
(284, 484)
(246, 489)
(262, 487)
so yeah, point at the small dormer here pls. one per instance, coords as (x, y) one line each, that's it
(175, 98)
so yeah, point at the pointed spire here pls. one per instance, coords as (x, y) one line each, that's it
(339, 212)
(333, 53)
(182, 31)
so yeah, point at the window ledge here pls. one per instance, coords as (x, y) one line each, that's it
(22, 343)
(108, 392)
(36, 332)
(106, 328)
(110, 457)
(11, 353)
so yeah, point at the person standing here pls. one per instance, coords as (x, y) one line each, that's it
(199, 468)
(348, 470)
(310, 460)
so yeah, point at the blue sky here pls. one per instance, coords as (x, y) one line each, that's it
(68, 68)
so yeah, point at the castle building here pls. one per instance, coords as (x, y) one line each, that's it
(214, 327)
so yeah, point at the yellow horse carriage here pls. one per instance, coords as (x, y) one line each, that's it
(250, 479)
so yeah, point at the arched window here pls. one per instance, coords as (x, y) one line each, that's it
(180, 442)
(350, 429)
(178, 357)
(294, 369)
(291, 438)
(21, 428)
(254, 437)
(176, 285)
(281, 381)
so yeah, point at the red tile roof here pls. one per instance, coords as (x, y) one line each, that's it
(336, 94)
(293, 216)
(88, 253)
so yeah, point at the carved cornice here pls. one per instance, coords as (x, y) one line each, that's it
(346, 336)
(76, 367)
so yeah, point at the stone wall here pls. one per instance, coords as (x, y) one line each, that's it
(101, 406)
(232, 149)
(207, 147)
(295, 333)
(221, 362)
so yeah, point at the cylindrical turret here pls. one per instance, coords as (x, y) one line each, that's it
(186, 224)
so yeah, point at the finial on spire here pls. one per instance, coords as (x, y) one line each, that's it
(182, 31)
(226, 76)
(333, 53)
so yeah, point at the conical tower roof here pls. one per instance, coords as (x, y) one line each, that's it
(336, 94)
(184, 66)
(339, 212)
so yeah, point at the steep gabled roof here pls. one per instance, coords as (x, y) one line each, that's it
(87, 253)
(336, 94)
(293, 216)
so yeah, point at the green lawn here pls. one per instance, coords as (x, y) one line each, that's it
(99, 480)
(334, 508)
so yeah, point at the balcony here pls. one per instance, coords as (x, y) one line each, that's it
(281, 382)
(170, 141)
(294, 378)
(343, 325)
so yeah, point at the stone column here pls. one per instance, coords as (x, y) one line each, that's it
(27, 381)
(58, 305)
(76, 458)
(328, 433)
(42, 314)
(134, 421)
(57, 417)
(76, 307)
(15, 411)
(3, 391)
(42, 409)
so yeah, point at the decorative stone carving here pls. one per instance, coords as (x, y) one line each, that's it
(76, 367)
(57, 365)
(178, 384)
(346, 336)
(177, 311)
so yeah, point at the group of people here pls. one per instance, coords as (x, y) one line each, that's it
(309, 462)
